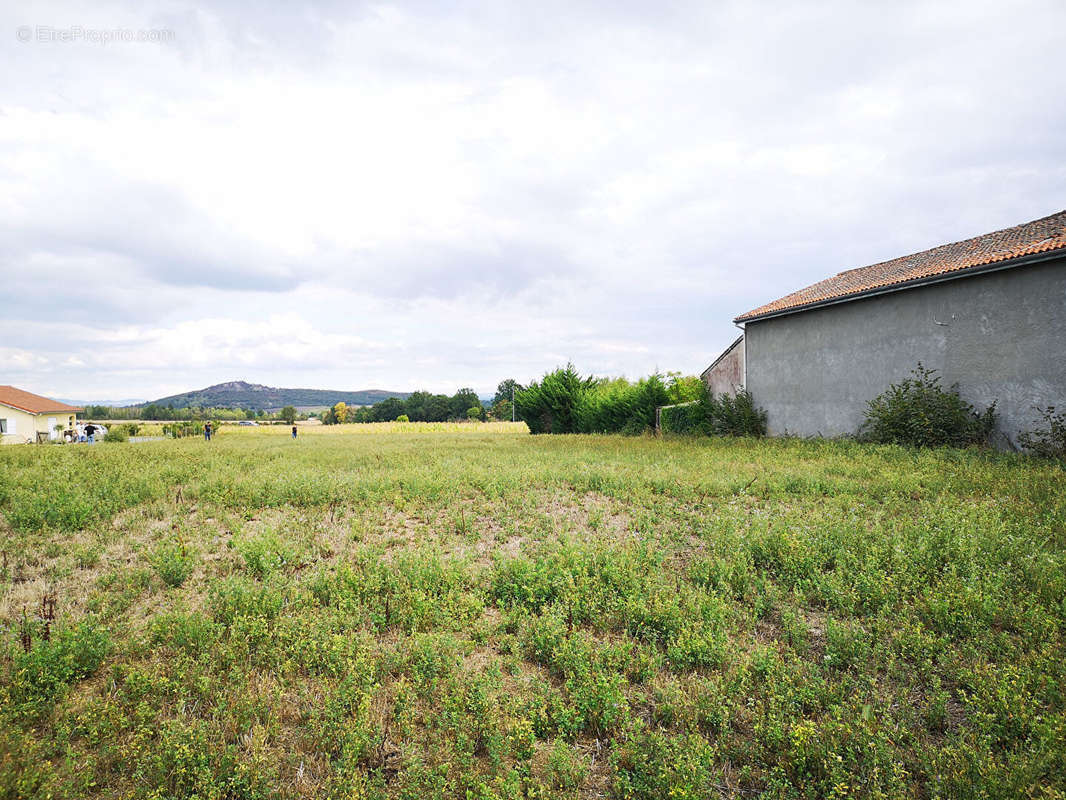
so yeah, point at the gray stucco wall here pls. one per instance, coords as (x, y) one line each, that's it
(1004, 339)
(726, 375)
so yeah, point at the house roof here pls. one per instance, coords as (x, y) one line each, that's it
(1040, 236)
(31, 403)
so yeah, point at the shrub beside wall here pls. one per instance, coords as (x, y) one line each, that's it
(1048, 442)
(715, 415)
(564, 401)
(919, 412)
(682, 420)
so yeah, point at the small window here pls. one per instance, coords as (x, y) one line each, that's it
(3, 426)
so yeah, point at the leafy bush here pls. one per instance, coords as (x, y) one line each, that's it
(173, 563)
(736, 415)
(680, 419)
(619, 406)
(548, 406)
(116, 434)
(565, 768)
(715, 415)
(132, 428)
(918, 412)
(265, 553)
(193, 633)
(566, 402)
(474, 412)
(846, 644)
(1047, 442)
(403, 418)
(653, 764)
(187, 760)
(683, 388)
(419, 591)
(695, 647)
(234, 598)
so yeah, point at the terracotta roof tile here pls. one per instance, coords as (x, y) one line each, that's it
(1040, 236)
(33, 403)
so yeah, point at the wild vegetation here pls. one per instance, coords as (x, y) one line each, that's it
(170, 413)
(919, 412)
(1047, 440)
(564, 401)
(408, 610)
(715, 415)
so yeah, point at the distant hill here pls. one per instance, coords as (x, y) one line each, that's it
(241, 394)
(129, 401)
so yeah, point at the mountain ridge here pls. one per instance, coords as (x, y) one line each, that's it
(242, 394)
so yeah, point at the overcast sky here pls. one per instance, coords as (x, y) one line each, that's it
(441, 194)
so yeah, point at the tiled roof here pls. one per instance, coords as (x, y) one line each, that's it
(33, 403)
(1040, 236)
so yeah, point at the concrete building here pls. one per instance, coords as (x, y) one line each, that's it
(27, 417)
(988, 313)
(726, 373)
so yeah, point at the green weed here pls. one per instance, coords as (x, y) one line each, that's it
(398, 612)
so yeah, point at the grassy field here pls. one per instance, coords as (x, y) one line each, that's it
(477, 613)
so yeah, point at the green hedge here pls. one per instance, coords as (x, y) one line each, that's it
(564, 401)
(715, 415)
(683, 420)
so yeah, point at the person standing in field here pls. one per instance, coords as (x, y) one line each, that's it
(90, 432)
(80, 430)
(207, 431)
(293, 431)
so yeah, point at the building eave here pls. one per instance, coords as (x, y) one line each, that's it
(40, 413)
(980, 269)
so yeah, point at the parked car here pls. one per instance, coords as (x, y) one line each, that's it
(248, 422)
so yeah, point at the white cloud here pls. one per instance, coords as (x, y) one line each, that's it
(399, 196)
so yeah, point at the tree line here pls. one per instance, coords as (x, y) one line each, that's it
(562, 401)
(422, 406)
(168, 413)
